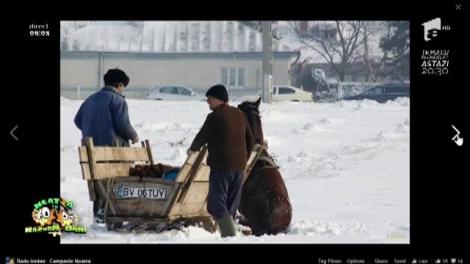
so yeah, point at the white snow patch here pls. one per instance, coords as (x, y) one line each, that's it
(345, 165)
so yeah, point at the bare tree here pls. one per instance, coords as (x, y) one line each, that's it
(338, 50)
(368, 64)
(371, 66)
(396, 47)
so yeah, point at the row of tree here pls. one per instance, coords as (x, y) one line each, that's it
(345, 43)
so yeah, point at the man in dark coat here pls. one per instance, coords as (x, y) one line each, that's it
(104, 117)
(229, 141)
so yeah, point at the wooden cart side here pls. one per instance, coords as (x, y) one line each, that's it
(96, 186)
(100, 163)
(141, 206)
(255, 154)
(192, 199)
(194, 180)
(108, 162)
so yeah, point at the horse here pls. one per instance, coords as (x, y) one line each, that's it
(265, 206)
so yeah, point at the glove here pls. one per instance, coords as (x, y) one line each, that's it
(135, 140)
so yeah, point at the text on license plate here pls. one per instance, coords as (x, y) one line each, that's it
(136, 192)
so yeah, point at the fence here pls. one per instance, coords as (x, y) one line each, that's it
(338, 91)
(80, 93)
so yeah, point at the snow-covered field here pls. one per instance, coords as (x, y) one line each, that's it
(346, 166)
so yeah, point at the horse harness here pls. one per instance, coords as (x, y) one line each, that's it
(267, 161)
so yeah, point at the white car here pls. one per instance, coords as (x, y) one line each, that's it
(285, 93)
(174, 93)
(290, 93)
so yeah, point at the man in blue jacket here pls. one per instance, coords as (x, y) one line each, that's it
(104, 117)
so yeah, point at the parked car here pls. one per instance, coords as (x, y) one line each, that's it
(290, 93)
(174, 93)
(284, 93)
(383, 93)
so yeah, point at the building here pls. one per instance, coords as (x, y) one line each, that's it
(196, 54)
(81, 72)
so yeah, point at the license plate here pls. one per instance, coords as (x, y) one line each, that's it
(137, 192)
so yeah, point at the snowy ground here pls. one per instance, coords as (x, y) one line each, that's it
(346, 166)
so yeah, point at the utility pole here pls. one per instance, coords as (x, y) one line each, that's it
(267, 62)
(100, 70)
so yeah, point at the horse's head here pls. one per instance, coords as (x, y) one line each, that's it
(251, 110)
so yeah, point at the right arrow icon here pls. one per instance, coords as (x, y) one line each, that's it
(12, 131)
(457, 139)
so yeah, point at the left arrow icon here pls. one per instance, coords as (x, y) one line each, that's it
(12, 132)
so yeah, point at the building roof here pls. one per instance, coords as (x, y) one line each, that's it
(163, 36)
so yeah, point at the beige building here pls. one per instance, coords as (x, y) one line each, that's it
(81, 72)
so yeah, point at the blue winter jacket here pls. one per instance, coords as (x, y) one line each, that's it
(104, 116)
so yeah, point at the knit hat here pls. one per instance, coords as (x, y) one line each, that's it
(218, 91)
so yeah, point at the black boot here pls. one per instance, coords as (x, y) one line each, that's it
(226, 226)
(98, 211)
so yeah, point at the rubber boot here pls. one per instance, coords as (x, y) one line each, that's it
(226, 226)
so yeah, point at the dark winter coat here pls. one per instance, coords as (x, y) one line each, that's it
(229, 139)
(104, 116)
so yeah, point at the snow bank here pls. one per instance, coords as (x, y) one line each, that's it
(345, 164)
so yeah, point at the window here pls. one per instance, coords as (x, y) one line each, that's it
(184, 91)
(166, 89)
(285, 90)
(174, 90)
(396, 89)
(375, 91)
(241, 77)
(224, 76)
(233, 77)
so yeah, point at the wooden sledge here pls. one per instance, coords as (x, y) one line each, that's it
(148, 201)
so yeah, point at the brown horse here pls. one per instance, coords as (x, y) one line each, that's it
(264, 204)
